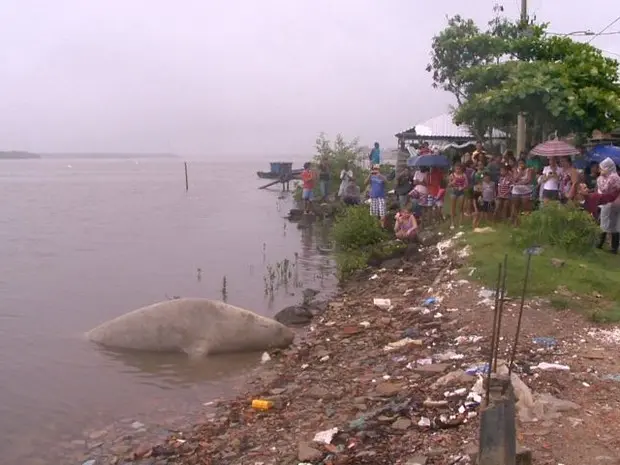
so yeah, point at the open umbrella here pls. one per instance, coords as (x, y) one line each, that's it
(600, 152)
(555, 148)
(432, 161)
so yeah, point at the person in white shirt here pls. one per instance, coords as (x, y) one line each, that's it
(551, 181)
(346, 177)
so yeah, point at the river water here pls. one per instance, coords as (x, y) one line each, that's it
(83, 241)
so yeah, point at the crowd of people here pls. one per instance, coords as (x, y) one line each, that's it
(481, 186)
(503, 187)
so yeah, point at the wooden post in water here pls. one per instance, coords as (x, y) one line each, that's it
(186, 178)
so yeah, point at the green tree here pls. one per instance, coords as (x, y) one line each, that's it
(337, 154)
(560, 84)
(564, 86)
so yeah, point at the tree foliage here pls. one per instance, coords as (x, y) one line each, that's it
(338, 153)
(562, 85)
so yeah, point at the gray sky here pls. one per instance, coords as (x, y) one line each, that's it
(234, 76)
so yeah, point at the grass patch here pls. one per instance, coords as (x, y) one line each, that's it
(560, 303)
(588, 282)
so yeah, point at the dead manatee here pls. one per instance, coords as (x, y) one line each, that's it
(195, 326)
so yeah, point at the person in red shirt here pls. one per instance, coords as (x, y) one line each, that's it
(308, 178)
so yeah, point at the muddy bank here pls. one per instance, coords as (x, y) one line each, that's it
(388, 374)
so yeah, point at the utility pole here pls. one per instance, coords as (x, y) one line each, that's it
(521, 130)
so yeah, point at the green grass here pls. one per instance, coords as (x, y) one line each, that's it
(589, 283)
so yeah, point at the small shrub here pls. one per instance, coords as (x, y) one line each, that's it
(355, 229)
(350, 262)
(564, 226)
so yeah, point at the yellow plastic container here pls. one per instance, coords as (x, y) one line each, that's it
(260, 404)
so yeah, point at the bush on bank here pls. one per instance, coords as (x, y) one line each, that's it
(356, 234)
(337, 154)
(557, 225)
(355, 229)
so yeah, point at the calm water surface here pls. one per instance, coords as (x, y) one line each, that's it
(84, 241)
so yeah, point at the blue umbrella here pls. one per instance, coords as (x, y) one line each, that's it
(411, 160)
(432, 161)
(600, 152)
(581, 163)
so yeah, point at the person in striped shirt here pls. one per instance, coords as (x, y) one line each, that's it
(504, 187)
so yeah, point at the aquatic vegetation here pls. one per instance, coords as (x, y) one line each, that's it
(224, 289)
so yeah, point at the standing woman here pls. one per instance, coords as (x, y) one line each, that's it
(608, 183)
(551, 181)
(569, 179)
(346, 177)
(468, 203)
(458, 183)
(521, 190)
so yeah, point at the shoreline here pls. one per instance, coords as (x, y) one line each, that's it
(391, 379)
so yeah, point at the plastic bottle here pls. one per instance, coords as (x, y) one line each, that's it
(261, 404)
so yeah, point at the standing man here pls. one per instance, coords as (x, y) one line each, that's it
(307, 177)
(375, 155)
(377, 194)
(324, 178)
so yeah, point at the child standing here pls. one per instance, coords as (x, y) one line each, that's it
(504, 187)
(487, 197)
(458, 183)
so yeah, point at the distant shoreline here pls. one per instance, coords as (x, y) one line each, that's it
(17, 155)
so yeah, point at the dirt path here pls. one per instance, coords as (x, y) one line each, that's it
(389, 377)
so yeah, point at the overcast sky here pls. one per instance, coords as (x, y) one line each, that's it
(231, 76)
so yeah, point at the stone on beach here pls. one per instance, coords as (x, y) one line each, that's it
(195, 326)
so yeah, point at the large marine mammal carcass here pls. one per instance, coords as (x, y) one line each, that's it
(195, 326)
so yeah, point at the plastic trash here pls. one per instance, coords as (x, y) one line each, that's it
(612, 377)
(424, 422)
(551, 366)
(478, 369)
(534, 250)
(547, 342)
(262, 404)
(463, 339)
(402, 343)
(383, 304)
(265, 357)
(325, 437)
(430, 301)
(373, 277)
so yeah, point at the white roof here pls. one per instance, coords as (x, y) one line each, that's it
(443, 125)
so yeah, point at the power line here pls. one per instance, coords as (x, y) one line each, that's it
(604, 29)
(583, 33)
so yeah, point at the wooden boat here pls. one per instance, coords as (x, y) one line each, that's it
(267, 175)
(279, 170)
